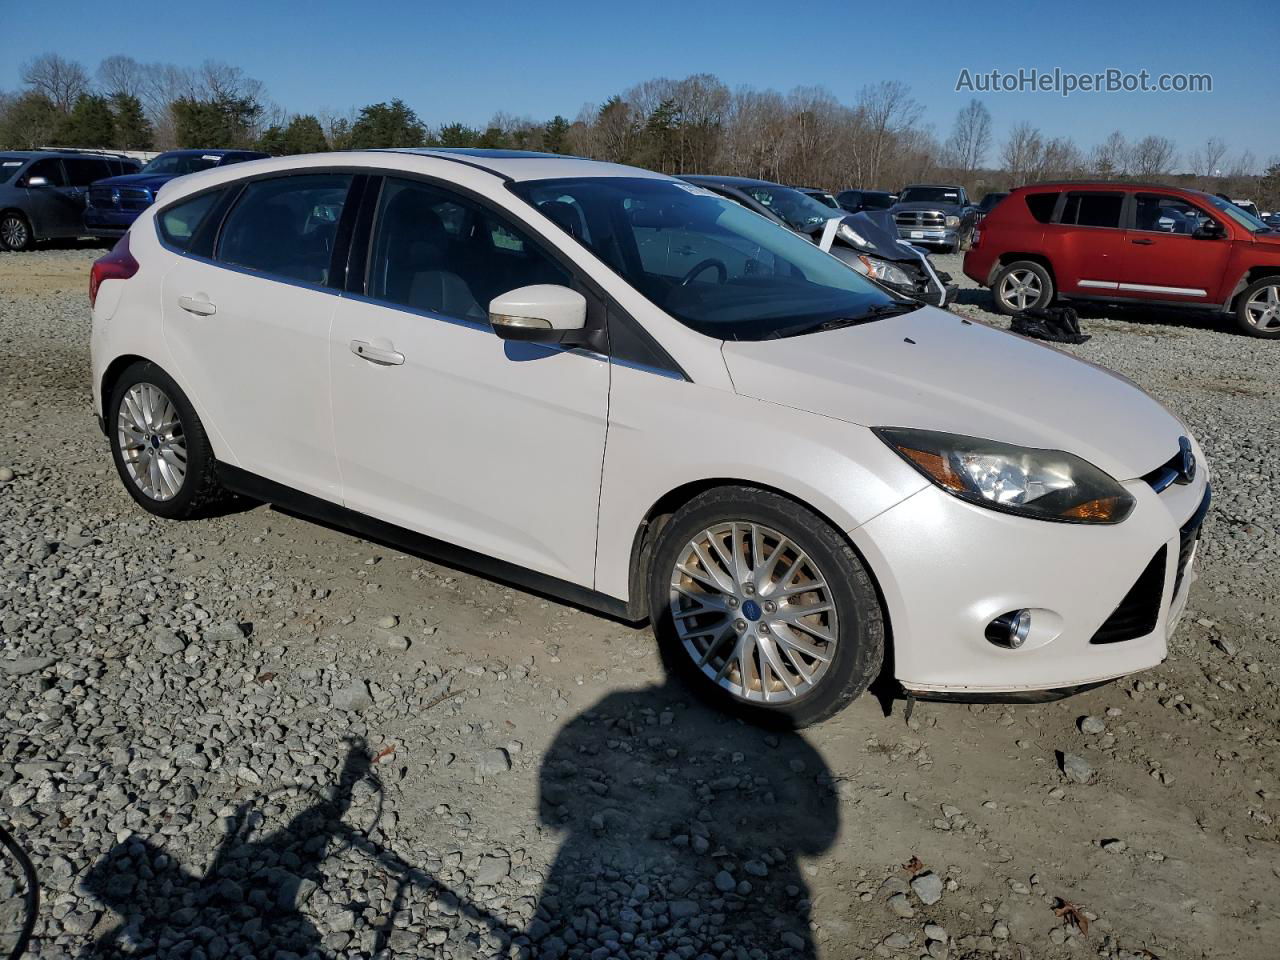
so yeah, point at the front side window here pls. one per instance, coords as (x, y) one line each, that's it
(443, 254)
(710, 263)
(1093, 209)
(178, 223)
(1161, 213)
(286, 226)
(795, 208)
(50, 169)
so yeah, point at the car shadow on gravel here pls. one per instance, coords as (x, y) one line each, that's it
(679, 827)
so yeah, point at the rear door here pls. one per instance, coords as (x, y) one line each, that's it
(1164, 260)
(248, 327)
(443, 428)
(1087, 243)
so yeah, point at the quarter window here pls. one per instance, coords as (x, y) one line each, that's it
(1093, 209)
(178, 224)
(286, 226)
(1041, 205)
(439, 253)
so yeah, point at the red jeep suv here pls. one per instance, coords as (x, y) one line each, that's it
(1129, 243)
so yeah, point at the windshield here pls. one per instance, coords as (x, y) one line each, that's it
(1246, 220)
(710, 263)
(9, 166)
(877, 201)
(930, 195)
(797, 209)
(180, 164)
(826, 199)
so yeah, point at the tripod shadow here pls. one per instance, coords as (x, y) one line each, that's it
(681, 826)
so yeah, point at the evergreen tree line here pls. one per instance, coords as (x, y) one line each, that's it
(695, 124)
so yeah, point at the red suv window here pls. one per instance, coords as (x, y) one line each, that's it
(1042, 205)
(1093, 209)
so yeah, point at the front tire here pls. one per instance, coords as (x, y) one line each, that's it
(159, 446)
(1258, 309)
(1022, 285)
(15, 232)
(764, 608)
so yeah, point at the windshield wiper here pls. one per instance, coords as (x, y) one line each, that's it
(878, 312)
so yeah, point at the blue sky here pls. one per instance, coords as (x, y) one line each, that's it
(464, 61)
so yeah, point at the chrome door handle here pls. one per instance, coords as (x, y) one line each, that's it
(201, 308)
(380, 355)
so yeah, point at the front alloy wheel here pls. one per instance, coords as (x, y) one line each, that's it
(754, 612)
(1259, 310)
(15, 232)
(764, 607)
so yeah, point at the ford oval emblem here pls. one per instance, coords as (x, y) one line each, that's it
(1186, 461)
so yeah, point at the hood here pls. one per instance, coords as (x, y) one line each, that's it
(881, 233)
(152, 181)
(927, 205)
(961, 377)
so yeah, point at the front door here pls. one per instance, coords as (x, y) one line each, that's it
(443, 428)
(1164, 260)
(249, 333)
(55, 207)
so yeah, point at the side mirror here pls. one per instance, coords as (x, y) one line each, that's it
(1209, 230)
(37, 181)
(541, 313)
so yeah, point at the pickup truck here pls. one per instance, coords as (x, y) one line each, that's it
(936, 215)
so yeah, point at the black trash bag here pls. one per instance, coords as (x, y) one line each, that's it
(1055, 324)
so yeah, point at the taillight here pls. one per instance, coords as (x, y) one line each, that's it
(116, 265)
(975, 239)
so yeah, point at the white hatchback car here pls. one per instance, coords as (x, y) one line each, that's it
(617, 388)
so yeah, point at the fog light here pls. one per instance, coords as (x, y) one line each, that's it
(1010, 629)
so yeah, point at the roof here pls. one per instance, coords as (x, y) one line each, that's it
(220, 151)
(526, 164)
(1104, 185)
(732, 181)
(61, 152)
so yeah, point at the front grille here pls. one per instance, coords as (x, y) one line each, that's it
(919, 218)
(1188, 536)
(101, 197)
(1140, 609)
(134, 198)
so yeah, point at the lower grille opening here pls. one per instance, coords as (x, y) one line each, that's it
(1140, 609)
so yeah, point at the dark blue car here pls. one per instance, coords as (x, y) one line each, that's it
(114, 203)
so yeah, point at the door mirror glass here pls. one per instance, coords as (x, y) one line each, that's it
(37, 181)
(541, 313)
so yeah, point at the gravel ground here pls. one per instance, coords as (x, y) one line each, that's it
(252, 736)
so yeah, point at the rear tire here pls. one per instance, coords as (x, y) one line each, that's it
(159, 446)
(1258, 308)
(733, 570)
(15, 232)
(1022, 285)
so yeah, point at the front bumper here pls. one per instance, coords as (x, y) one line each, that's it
(99, 222)
(936, 235)
(947, 568)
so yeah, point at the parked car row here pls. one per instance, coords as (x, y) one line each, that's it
(1129, 243)
(56, 194)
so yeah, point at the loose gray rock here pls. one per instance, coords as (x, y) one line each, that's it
(1092, 725)
(928, 887)
(168, 643)
(25, 665)
(900, 904)
(490, 763)
(1076, 768)
(355, 697)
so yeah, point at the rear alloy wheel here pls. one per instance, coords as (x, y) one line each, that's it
(159, 445)
(1258, 311)
(765, 608)
(15, 231)
(1023, 285)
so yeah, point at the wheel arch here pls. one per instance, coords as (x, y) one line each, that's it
(1005, 259)
(665, 506)
(1247, 280)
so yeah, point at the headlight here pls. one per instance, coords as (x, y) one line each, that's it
(885, 272)
(953, 221)
(1044, 484)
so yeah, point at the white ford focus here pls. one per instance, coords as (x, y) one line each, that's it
(615, 387)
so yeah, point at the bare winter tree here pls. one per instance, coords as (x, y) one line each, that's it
(970, 138)
(62, 81)
(1021, 154)
(1207, 161)
(1111, 157)
(122, 75)
(1151, 157)
(887, 109)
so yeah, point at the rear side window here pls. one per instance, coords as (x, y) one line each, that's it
(286, 226)
(1093, 209)
(82, 171)
(178, 224)
(1041, 205)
